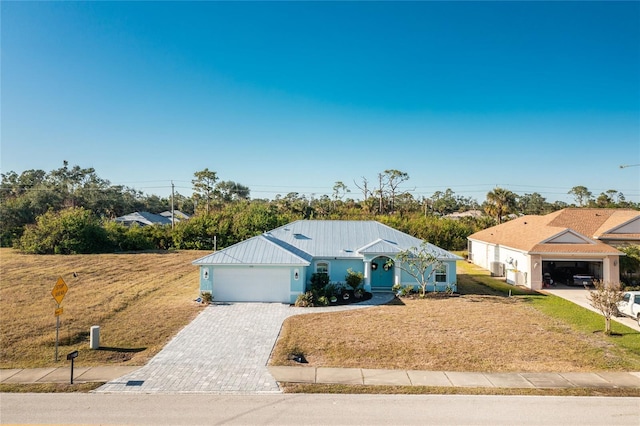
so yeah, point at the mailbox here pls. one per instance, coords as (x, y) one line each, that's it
(72, 355)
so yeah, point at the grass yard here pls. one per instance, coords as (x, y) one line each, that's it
(140, 301)
(483, 330)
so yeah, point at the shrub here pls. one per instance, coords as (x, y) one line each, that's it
(319, 281)
(305, 300)
(354, 279)
(332, 290)
(207, 297)
(402, 290)
(323, 301)
(69, 231)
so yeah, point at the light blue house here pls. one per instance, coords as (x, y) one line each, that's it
(277, 265)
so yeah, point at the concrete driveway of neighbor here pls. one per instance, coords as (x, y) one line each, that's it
(224, 350)
(579, 296)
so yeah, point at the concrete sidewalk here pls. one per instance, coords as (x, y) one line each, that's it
(63, 374)
(357, 376)
(363, 376)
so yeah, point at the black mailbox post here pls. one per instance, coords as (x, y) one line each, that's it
(72, 356)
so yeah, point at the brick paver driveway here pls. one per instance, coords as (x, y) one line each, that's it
(224, 350)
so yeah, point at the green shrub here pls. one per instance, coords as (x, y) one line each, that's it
(354, 279)
(332, 289)
(319, 281)
(323, 301)
(69, 231)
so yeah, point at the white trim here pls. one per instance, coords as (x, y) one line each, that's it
(446, 273)
(319, 261)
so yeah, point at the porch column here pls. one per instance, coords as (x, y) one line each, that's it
(611, 269)
(367, 275)
(535, 277)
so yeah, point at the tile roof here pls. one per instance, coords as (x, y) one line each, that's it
(536, 233)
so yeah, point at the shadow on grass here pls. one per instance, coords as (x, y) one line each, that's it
(122, 350)
(396, 301)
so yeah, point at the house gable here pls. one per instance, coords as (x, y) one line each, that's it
(380, 246)
(568, 237)
(630, 227)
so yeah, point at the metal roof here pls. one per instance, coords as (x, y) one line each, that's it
(301, 241)
(254, 251)
(143, 218)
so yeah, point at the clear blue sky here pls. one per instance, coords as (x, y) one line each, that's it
(292, 97)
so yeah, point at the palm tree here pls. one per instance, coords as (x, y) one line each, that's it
(500, 202)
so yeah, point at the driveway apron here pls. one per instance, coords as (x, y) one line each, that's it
(224, 350)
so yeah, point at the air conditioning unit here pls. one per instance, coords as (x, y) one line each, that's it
(497, 269)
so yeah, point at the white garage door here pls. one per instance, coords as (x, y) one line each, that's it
(257, 284)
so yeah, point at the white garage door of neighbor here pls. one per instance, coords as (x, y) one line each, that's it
(257, 284)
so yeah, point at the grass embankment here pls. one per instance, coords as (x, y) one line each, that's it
(483, 330)
(139, 301)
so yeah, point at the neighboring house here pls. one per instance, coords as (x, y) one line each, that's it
(177, 214)
(562, 244)
(468, 213)
(143, 219)
(277, 265)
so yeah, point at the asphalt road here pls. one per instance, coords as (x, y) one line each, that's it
(290, 409)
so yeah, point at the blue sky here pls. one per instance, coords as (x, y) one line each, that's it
(292, 97)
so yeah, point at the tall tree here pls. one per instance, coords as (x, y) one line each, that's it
(443, 203)
(339, 191)
(204, 186)
(500, 202)
(581, 194)
(394, 179)
(532, 204)
(229, 190)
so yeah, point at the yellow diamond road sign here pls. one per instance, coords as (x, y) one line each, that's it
(59, 290)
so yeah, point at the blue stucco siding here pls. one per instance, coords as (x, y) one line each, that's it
(206, 279)
(337, 268)
(451, 278)
(298, 284)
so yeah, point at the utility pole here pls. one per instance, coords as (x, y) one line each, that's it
(172, 209)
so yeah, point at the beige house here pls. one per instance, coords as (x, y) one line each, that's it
(561, 244)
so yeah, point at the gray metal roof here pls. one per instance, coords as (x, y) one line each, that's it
(254, 251)
(301, 241)
(143, 218)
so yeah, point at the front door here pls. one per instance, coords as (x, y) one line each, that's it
(381, 274)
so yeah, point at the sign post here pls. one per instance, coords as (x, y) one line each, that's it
(58, 292)
(72, 356)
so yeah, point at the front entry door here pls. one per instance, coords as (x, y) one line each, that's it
(381, 274)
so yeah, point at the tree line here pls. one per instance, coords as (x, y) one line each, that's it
(70, 210)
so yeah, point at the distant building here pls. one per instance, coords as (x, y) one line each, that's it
(468, 213)
(143, 219)
(177, 214)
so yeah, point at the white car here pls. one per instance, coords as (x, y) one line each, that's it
(630, 305)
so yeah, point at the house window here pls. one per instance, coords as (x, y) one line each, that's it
(441, 274)
(322, 267)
